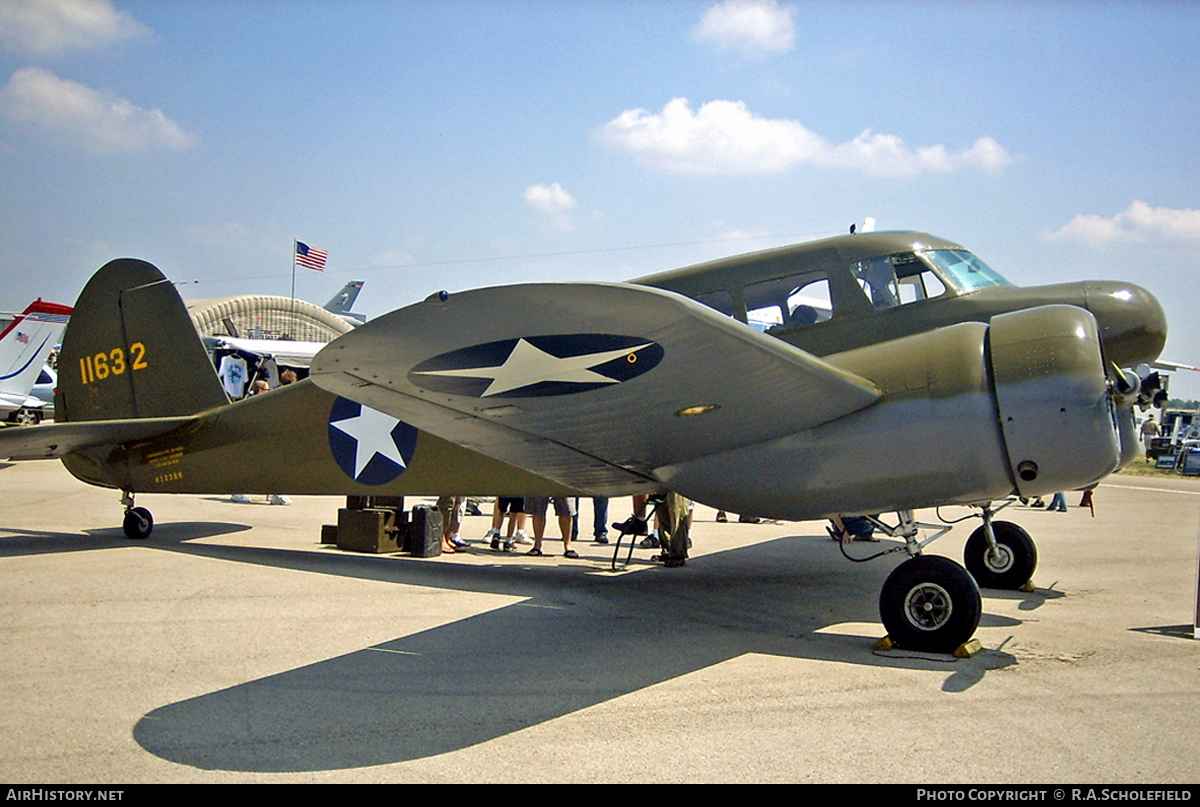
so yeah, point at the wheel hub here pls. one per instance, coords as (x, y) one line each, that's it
(999, 560)
(928, 606)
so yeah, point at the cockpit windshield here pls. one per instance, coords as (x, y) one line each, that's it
(963, 270)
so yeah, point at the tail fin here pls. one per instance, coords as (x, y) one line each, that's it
(343, 301)
(27, 342)
(131, 351)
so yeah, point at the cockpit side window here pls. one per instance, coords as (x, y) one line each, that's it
(894, 280)
(877, 278)
(920, 286)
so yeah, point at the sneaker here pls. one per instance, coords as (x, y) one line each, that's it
(650, 541)
(495, 542)
(240, 498)
(523, 539)
(508, 546)
(459, 542)
(492, 533)
(275, 498)
(631, 526)
(602, 538)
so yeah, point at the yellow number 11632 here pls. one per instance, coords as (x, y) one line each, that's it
(102, 365)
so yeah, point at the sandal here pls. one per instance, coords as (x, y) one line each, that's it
(535, 552)
(571, 553)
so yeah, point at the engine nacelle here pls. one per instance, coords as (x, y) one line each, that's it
(969, 413)
(1053, 398)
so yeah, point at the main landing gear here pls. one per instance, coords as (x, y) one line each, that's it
(932, 604)
(138, 522)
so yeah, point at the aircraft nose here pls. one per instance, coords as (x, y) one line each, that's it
(1133, 327)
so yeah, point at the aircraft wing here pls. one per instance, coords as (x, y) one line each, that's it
(593, 385)
(1172, 366)
(54, 440)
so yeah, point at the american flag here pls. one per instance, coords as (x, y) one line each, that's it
(310, 258)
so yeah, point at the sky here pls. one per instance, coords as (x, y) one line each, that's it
(447, 145)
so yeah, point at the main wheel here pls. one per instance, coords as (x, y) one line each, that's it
(1011, 566)
(931, 604)
(138, 523)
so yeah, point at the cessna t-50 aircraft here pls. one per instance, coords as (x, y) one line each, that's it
(622, 388)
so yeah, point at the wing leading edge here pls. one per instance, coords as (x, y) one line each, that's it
(593, 385)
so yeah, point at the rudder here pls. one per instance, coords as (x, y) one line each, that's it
(131, 350)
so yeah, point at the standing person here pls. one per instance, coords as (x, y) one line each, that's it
(674, 531)
(1149, 431)
(514, 508)
(451, 509)
(600, 519)
(564, 509)
(260, 387)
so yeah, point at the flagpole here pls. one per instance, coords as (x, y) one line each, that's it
(292, 306)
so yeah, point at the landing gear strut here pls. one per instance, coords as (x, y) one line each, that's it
(1000, 554)
(931, 603)
(138, 522)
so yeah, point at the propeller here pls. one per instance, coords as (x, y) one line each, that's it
(1141, 386)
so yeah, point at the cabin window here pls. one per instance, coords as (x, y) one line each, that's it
(810, 304)
(792, 301)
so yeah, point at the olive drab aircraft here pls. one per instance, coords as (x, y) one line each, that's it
(944, 385)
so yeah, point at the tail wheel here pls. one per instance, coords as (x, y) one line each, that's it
(1011, 566)
(930, 604)
(138, 523)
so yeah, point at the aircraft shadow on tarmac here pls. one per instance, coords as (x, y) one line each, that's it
(18, 542)
(581, 638)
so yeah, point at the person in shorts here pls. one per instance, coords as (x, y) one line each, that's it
(565, 509)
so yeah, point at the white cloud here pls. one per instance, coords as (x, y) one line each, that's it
(1138, 223)
(549, 198)
(753, 28)
(99, 122)
(723, 138)
(49, 27)
(553, 202)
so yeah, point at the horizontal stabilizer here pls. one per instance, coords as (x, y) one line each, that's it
(54, 440)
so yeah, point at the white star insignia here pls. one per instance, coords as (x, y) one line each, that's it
(527, 365)
(372, 431)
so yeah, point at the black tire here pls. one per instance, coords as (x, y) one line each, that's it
(27, 417)
(138, 523)
(1016, 562)
(930, 604)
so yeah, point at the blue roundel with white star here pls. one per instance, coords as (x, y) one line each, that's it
(537, 366)
(369, 446)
